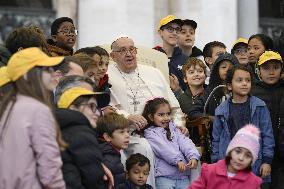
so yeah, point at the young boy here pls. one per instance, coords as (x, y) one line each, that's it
(137, 171)
(63, 35)
(169, 29)
(270, 88)
(186, 39)
(211, 52)
(194, 76)
(240, 50)
(113, 132)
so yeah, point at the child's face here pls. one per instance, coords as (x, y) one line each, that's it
(255, 49)
(241, 158)
(225, 65)
(102, 64)
(120, 138)
(162, 117)
(241, 83)
(216, 51)
(91, 111)
(66, 36)
(270, 72)
(169, 34)
(241, 53)
(195, 76)
(139, 174)
(186, 37)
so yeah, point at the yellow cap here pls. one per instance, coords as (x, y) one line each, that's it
(72, 94)
(4, 78)
(24, 60)
(168, 19)
(240, 40)
(269, 55)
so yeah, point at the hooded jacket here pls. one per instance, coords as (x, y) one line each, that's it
(82, 159)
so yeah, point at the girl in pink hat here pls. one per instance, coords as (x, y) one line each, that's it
(235, 171)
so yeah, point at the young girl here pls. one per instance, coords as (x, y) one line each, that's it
(30, 155)
(175, 153)
(234, 171)
(238, 110)
(257, 44)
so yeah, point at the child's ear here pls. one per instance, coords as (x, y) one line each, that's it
(185, 80)
(151, 117)
(107, 137)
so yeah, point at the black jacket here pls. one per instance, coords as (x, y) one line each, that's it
(273, 96)
(112, 160)
(131, 185)
(82, 159)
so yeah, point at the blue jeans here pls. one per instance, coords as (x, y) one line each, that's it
(167, 183)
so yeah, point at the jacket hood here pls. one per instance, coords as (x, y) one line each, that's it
(67, 118)
(226, 56)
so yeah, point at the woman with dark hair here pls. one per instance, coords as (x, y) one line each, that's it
(29, 150)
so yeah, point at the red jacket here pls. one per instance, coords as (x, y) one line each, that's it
(214, 176)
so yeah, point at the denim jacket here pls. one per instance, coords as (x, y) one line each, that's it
(260, 117)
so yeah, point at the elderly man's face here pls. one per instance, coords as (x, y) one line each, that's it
(124, 54)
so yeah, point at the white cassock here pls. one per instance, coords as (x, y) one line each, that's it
(130, 92)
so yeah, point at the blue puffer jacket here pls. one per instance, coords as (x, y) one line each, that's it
(260, 117)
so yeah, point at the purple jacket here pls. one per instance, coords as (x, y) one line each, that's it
(168, 153)
(29, 154)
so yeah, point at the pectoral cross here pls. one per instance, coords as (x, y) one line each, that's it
(135, 103)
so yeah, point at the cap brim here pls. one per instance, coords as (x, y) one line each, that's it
(51, 61)
(191, 23)
(177, 21)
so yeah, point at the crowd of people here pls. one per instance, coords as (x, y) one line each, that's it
(71, 119)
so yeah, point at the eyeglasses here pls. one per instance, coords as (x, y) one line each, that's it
(124, 51)
(93, 107)
(241, 51)
(171, 29)
(66, 31)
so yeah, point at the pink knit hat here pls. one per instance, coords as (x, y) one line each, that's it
(247, 137)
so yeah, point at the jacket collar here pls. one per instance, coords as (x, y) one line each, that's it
(223, 109)
(221, 169)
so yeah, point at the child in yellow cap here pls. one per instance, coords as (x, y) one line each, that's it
(77, 115)
(270, 88)
(30, 154)
(240, 50)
